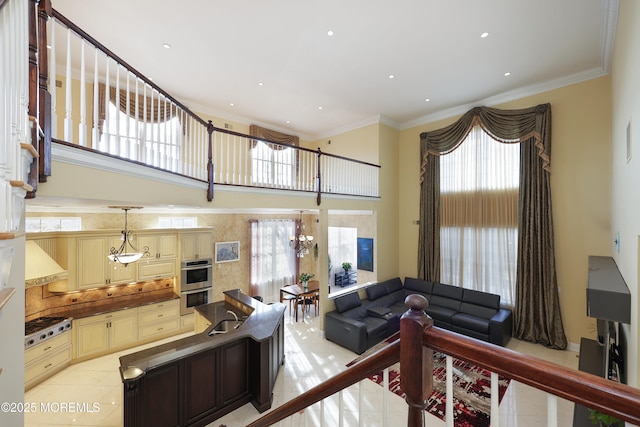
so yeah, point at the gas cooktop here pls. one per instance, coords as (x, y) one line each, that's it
(43, 328)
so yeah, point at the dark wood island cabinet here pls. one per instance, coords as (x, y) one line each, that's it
(196, 380)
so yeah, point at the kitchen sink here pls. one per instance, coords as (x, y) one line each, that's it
(225, 326)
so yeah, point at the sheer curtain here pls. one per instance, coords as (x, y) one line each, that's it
(479, 215)
(273, 262)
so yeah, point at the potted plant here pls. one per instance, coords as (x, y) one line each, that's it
(603, 420)
(347, 266)
(304, 279)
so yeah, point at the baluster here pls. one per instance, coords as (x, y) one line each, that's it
(53, 87)
(153, 131)
(128, 152)
(495, 400)
(361, 404)
(4, 114)
(106, 131)
(322, 412)
(552, 410)
(143, 133)
(117, 112)
(449, 392)
(385, 398)
(96, 94)
(68, 121)
(234, 172)
(166, 141)
(82, 127)
(341, 408)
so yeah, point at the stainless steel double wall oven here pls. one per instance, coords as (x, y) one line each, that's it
(195, 283)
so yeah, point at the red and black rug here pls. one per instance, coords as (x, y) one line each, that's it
(471, 390)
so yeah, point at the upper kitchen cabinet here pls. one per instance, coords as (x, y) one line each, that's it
(196, 245)
(161, 246)
(163, 249)
(95, 269)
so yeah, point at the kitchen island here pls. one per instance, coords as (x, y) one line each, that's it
(198, 379)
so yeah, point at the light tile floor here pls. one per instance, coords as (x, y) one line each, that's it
(310, 360)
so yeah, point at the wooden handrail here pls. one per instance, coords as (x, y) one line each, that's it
(580, 387)
(586, 389)
(379, 360)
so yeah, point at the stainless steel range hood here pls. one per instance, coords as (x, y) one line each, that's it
(39, 267)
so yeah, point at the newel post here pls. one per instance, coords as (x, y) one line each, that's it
(416, 360)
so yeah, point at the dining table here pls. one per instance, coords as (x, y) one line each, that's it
(300, 293)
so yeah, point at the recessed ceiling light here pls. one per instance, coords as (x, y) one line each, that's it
(391, 76)
(507, 74)
(319, 108)
(288, 121)
(231, 104)
(427, 100)
(484, 35)
(260, 84)
(166, 45)
(330, 33)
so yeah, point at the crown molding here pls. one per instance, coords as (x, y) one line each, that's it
(511, 95)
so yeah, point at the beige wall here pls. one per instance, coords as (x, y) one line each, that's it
(580, 181)
(625, 200)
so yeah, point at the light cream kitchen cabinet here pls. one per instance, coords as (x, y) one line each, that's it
(161, 246)
(196, 245)
(45, 359)
(163, 249)
(105, 332)
(159, 319)
(94, 267)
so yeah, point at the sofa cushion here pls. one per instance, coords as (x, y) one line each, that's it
(441, 313)
(481, 298)
(393, 285)
(470, 322)
(347, 302)
(418, 285)
(376, 291)
(375, 325)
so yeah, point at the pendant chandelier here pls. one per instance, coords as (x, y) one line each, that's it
(126, 253)
(302, 242)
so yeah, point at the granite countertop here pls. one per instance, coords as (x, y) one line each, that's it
(260, 324)
(106, 306)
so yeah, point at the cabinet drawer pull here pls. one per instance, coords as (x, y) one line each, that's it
(160, 329)
(160, 315)
(160, 305)
(47, 348)
(47, 366)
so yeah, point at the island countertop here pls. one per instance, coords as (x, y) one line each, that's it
(260, 322)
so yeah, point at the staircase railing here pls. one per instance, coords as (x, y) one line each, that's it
(93, 99)
(419, 338)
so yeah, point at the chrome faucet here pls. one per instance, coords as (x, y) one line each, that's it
(234, 314)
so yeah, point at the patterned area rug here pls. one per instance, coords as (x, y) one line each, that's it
(471, 389)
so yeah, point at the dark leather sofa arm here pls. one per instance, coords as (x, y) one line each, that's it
(347, 332)
(501, 327)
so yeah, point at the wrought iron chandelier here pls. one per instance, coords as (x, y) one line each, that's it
(302, 242)
(122, 255)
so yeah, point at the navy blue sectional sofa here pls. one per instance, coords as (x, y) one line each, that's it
(359, 324)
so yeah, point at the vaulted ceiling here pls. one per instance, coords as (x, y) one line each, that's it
(316, 68)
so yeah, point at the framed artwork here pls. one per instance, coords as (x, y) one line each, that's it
(365, 254)
(227, 251)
